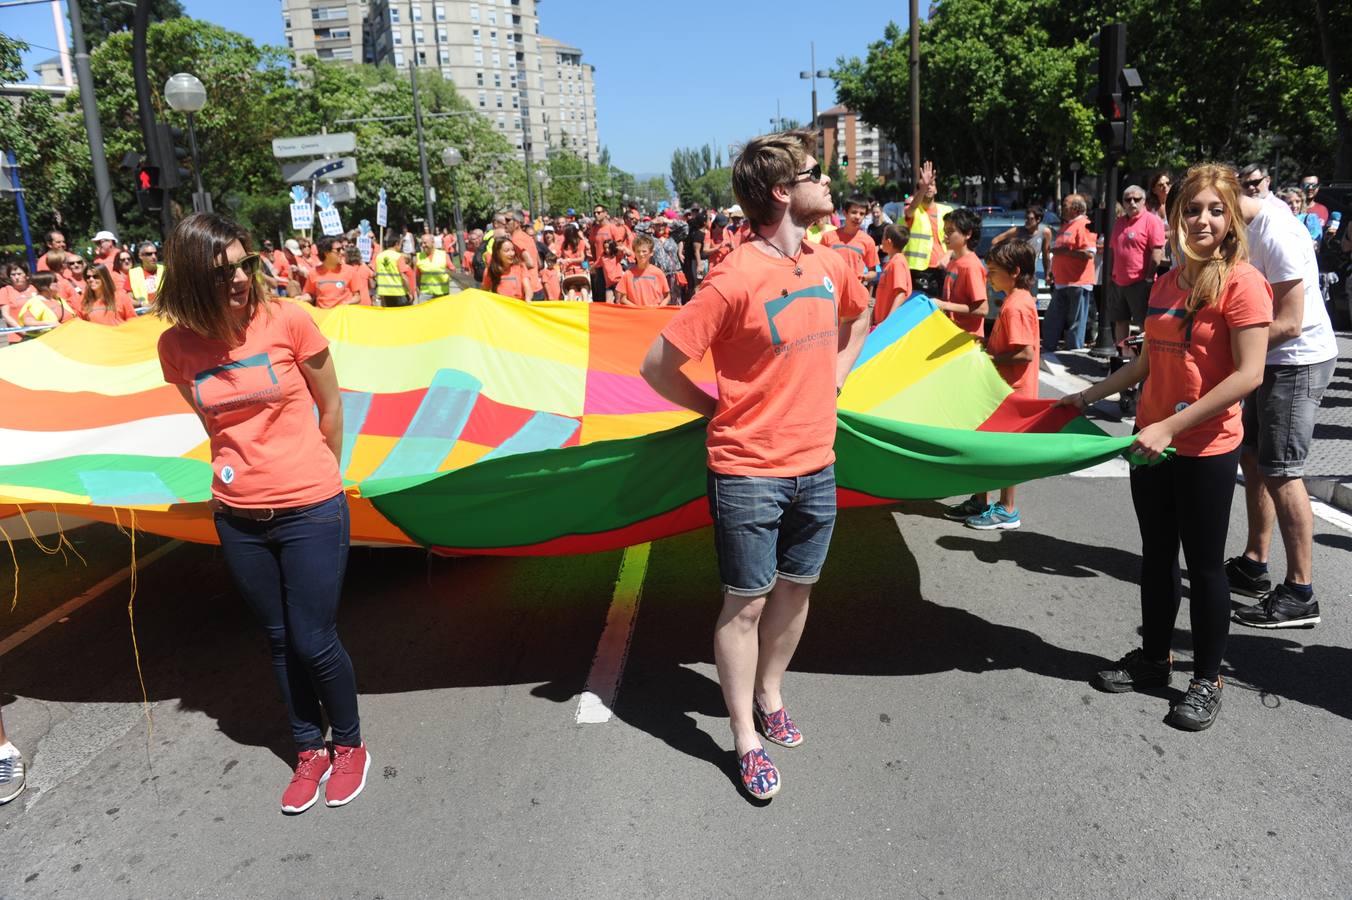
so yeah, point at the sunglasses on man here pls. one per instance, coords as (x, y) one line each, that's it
(1254, 182)
(813, 174)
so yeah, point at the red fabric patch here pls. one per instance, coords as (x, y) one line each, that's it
(390, 414)
(1023, 415)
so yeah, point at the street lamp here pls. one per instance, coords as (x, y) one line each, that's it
(186, 94)
(812, 76)
(586, 189)
(451, 158)
(542, 180)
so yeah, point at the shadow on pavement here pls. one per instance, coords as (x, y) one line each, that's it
(1281, 669)
(1047, 554)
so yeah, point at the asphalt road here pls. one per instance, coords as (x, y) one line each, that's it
(953, 747)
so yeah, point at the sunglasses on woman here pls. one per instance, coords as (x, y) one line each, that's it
(226, 273)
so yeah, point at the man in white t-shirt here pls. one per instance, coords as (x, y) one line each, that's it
(1279, 420)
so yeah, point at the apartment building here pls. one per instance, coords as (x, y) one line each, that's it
(860, 143)
(328, 29)
(569, 99)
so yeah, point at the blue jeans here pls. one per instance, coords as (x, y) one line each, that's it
(1069, 312)
(290, 572)
(768, 528)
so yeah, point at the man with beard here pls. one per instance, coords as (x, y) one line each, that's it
(784, 319)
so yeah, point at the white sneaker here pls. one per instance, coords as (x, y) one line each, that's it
(11, 777)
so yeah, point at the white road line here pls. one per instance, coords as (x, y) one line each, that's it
(36, 627)
(1331, 514)
(603, 681)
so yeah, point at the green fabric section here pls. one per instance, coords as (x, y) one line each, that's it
(535, 497)
(959, 394)
(189, 479)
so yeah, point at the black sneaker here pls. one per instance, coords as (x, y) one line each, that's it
(1241, 582)
(1199, 706)
(1132, 673)
(963, 511)
(1280, 608)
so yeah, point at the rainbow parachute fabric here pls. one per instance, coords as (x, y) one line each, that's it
(479, 424)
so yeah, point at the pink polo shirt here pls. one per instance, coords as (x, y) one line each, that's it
(1133, 239)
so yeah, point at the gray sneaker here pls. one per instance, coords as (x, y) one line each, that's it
(1133, 672)
(11, 778)
(1199, 707)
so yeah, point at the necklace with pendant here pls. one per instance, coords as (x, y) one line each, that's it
(797, 267)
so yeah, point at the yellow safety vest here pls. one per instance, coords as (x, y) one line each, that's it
(920, 247)
(433, 276)
(137, 278)
(389, 280)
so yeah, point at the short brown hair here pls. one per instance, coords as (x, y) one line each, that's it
(189, 295)
(1017, 258)
(765, 163)
(897, 234)
(642, 240)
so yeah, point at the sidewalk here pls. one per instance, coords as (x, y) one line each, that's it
(1328, 472)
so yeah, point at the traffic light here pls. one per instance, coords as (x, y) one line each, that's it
(149, 191)
(1114, 89)
(169, 153)
(844, 160)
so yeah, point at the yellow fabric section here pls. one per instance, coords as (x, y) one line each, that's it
(960, 395)
(22, 494)
(39, 366)
(525, 356)
(464, 453)
(613, 427)
(905, 363)
(368, 452)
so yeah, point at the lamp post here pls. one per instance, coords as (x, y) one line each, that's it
(586, 189)
(542, 180)
(186, 94)
(812, 76)
(452, 158)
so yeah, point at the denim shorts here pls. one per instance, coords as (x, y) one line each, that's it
(1279, 416)
(768, 528)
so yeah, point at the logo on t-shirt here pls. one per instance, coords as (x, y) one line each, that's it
(781, 305)
(237, 384)
(227, 474)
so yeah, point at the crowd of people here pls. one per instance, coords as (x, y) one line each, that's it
(1214, 279)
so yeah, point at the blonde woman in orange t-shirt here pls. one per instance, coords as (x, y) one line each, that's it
(103, 302)
(1206, 337)
(255, 370)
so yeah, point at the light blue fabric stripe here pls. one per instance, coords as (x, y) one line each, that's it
(356, 404)
(903, 318)
(435, 428)
(542, 431)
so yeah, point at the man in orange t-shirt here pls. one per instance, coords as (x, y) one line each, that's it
(784, 320)
(1073, 274)
(644, 284)
(854, 243)
(527, 254)
(334, 282)
(964, 295)
(56, 241)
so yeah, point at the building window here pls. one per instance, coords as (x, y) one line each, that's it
(342, 53)
(442, 36)
(444, 56)
(398, 38)
(475, 35)
(499, 98)
(492, 17)
(422, 57)
(286, 21)
(478, 57)
(483, 100)
(394, 15)
(474, 13)
(325, 13)
(289, 42)
(418, 36)
(516, 102)
(497, 80)
(502, 123)
(441, 12)
(446, 73)
(399, 59)
(417, 12)
(497, 60)
(479, 78)
(492, 38)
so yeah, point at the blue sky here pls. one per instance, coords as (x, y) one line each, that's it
(667, 75)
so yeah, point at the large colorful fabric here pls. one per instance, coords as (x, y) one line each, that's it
(479, 424)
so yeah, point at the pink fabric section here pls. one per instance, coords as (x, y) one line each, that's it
(611, 394)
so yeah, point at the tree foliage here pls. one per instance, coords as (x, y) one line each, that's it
(689, 165)
(1004, 85)
(104, 17)
(254, 94)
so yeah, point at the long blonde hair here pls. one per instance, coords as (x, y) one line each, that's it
(1209, 280)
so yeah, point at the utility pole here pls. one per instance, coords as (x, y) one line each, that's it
(422, 149)
(140, 23)
(103, 187)
(915, 89)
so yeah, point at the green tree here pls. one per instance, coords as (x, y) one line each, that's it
(689, 164)
(104, 17)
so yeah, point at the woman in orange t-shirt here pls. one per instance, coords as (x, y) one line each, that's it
(254, 370)
(504, 275)
(1206, 337)
(103, 302)
(14, 296)
(121, 271)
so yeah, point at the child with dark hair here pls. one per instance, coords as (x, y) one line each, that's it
(612, 268)
(1013, 347)
(894, 286)
(550, 276)
(964, 294)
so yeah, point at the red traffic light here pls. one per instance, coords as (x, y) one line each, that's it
(147, 178)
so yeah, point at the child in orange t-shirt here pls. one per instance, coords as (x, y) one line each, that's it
(612, 268)
(644, 284)
(894, 286)
(550, 276)
(964, 296)
(1013, 347)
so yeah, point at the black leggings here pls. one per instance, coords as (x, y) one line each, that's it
(1185, 500)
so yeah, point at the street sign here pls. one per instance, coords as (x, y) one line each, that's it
(341, 191)
(299, 172)
(314, 145)
(382, 211)
(302, 216)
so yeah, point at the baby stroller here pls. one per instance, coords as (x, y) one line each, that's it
(577, 287)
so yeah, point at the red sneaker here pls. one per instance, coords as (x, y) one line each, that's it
(311, 771)
(350, 765)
